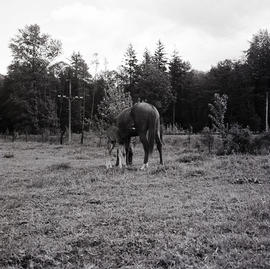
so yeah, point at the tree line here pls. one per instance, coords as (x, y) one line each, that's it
(34, 93)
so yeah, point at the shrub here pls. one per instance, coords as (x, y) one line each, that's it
(217, 113)
(114, 101)
(207, 138)
(261, 143)
(238, 140)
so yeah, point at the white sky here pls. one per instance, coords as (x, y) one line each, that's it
(203, 31)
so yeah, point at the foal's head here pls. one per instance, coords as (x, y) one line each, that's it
(113, 141)
(112, 138)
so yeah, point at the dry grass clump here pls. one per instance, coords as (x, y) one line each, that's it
(8, 155)
(196, 172)
(190, 157)
(60, 166)
(242, 180)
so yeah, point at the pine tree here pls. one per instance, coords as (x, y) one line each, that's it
(154, 87)
(129, 71)
(160, 57)
(147, 58)
(153, 84)
(79, 66)
(258, 59)
(80, 80)
(178, 71)
(130, 66)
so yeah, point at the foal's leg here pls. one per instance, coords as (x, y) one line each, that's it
(108, 160)
(108, 156)
(129, 152)
(120, 156)
(146, 150)
(159, 147)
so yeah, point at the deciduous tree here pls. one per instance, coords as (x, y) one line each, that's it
(30, 89)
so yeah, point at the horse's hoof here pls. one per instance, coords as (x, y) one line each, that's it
(108, 166)
(144, 166)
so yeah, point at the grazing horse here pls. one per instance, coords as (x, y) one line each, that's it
(141, 120)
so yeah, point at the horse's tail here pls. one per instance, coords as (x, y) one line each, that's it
(160, 133)
(151, 134)
(153, 129)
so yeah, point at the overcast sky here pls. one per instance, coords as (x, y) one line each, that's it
(203, 31)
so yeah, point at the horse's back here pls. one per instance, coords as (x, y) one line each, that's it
(143, 113)
(141, 117)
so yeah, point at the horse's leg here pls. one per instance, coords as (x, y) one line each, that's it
(146, 150)
(117, 157)
(159, 147)
(130, 155)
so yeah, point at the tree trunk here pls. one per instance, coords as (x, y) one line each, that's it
(83, 116)
(62, 132)
(266, 114)
(173, 113)
(93, 103)
(69, 113)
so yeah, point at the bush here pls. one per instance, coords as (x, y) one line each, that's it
(261, 143)
(238, 140)
(114, 101)
(207, 138)
(217, 113)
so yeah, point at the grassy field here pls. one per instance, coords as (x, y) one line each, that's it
(60, 208)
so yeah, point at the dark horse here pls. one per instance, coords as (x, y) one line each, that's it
(141, 120)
